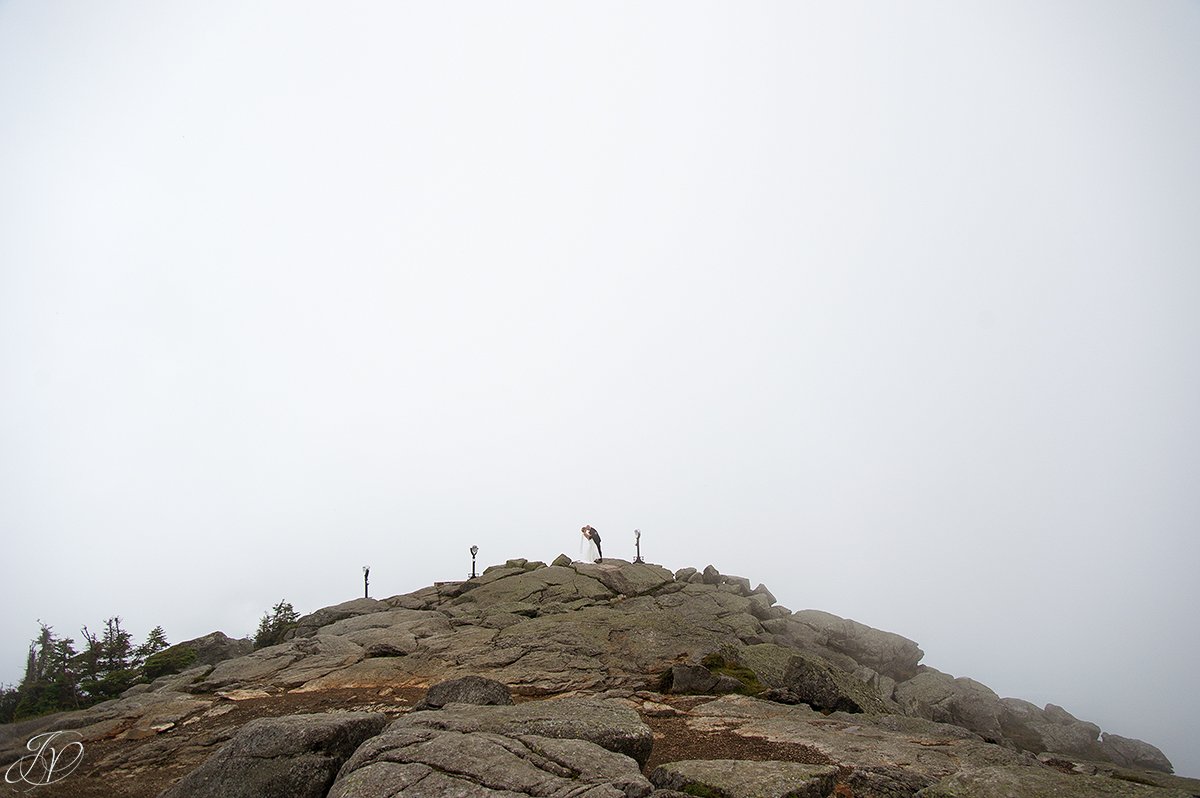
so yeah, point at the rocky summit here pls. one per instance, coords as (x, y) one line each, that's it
(588, 680)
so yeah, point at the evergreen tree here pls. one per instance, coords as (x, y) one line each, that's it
(31, 665)
(50, 682)
(89, 660)
(58, 677)
(9, 698)
(117, 648)
(156, 641)
(272, 627)
(108, 662)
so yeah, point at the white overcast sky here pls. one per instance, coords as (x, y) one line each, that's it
(892, 307)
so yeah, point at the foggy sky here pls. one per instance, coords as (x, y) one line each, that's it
(891, 308)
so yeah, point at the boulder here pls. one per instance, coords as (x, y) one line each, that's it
(216, 647)
(760, 607)
(1053, 729)
(762, 590)
(733, 778)
(467, 690)
(562, 561)
(942, 698)
(803, 678)
(710, 576)
(699, 680)
(739, 584)
(1131, 753)
(297, 756)
(884, 685)
(414, 762)
(1040, 782)
(626, 579)
(385, 643)
(610, 724)
(884, 652)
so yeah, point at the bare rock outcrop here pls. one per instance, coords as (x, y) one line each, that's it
(806, 678)
(292, 757)
(467, 690)
(1052, 729)
(1003, 782)
(945, 699)
(738, 779)
(610, 724)
(884, 652)
(411, 762)
(588, 649)
(1132, 753)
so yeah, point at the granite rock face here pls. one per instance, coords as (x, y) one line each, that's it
(809, 679)
(884, 652)
(588, 649)
(216, 647)
(1004, 782)
(292, 757)
(699, 680)
(411, 762)
(945, 699)
(738, 779)
(1052, 729)
(610, 724)
(307, 625)
(467, 690)
(1133, 753)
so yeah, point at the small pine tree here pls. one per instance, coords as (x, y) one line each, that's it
(117, 648)
(274, 626)
(156, 641)
(50, 682)
(58, 677)
(9, 698)
(107, 663)
(63, 674)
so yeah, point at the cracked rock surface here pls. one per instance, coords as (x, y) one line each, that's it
(297, 756)
(420, 762)
(586, 650)
(610, 724)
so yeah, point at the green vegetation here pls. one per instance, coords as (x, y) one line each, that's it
(721, 663)
(59, 677)
(726, 664)
(1125, 775)
(274, 626)
(173, 660)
